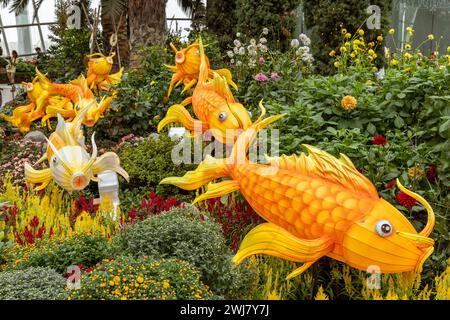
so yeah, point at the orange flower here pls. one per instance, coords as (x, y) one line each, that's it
(348, 103)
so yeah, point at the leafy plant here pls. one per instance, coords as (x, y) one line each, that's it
(32, 284)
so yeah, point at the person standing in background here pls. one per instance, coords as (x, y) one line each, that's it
(11, 68)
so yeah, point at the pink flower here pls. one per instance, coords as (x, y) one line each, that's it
(261, 77)
(261, 60)
(274, 76)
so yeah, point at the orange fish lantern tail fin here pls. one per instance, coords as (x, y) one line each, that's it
(204, 69)
(270, 239)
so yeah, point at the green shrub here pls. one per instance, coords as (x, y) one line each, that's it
(32, 284)
(184, 234)
(59, 254)
(142, 279)
(148, 163)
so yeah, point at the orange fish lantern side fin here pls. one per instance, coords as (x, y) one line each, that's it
(270, 239)
(227, 75)
(109, 161)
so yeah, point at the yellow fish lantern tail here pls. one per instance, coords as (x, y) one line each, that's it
(109, 161)
(37, 177)
(178, 114)
(227, 75)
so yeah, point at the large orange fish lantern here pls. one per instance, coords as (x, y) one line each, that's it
(214, 106)
(187, 68)
(315, 205)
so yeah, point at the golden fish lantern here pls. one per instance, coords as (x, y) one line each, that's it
(315, 205)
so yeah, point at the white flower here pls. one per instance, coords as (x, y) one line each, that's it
(295, 43)
(252, 63)
(263, 40)
(239, 63)
(265, 31)
(237, 43)
(241, 51)
(238, 35)
(302, 50)
(307, 57)
(232, 60)
(263, 48)
(230, 54)
(304, 39)
(236, 50)
(253, 42)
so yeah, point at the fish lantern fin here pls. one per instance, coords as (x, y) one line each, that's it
(178, 114)
(42, 177)
(321, 164)
(109, 161)
(219, 189)
(219, 85)
(189, 85)
(204, 68)
(268, 238)
(227, 75)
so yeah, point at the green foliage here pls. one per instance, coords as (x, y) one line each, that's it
(59, 254)
(149, 162)
(326, 18)
(276, 15)
(220, 19)
(141, 278)
(183, 234)
(32, 284)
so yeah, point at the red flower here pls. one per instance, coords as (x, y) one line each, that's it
(390, 185)
(34, 222)
(432, 173)
(405, 200)
(379, 140)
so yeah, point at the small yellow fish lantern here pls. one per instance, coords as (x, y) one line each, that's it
(214, 106)
(99, 69)
(187, 67)
(315, 205)
(71, 167)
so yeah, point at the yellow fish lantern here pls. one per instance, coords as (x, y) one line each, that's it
(23, 117)
(99, 69)
(315, 205)
(71, 167)
(36, 93)
(214, 106)
(187, 68)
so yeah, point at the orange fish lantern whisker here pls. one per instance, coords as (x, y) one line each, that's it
(315, 205)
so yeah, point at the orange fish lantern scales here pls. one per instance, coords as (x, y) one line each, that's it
(316, 205)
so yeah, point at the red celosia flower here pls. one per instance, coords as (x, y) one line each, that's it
(34, 222)
(390, 185)
(405, 200)
(379, 140)
(432, 173)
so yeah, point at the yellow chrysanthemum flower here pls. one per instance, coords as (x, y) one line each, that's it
(348, 35)
(394, 62)
(361, 32)
(344, 31)
(380, 38)
(348, 103)
(337, 64)
(343, 49)
(332, 53)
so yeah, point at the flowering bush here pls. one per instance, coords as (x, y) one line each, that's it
(58, 254)
(184, 234)
(127, 278)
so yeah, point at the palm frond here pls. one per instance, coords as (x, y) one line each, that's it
(190, 7)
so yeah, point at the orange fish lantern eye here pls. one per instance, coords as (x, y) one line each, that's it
(383, 228)
(29, 87)
(179, 57)
(110, 60)
(222, 116)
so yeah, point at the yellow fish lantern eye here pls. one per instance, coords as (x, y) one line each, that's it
(383, 228)
(29, 87)
(222, 116)
(179, 57)
(110, 60)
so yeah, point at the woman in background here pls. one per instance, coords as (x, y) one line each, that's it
(11, 68)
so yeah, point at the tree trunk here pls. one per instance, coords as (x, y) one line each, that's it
(122, 38)
(147, 23)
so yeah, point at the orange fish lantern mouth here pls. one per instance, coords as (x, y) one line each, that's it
(79, 181)
(179, 57)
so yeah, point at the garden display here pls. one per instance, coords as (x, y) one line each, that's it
(315, 165)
